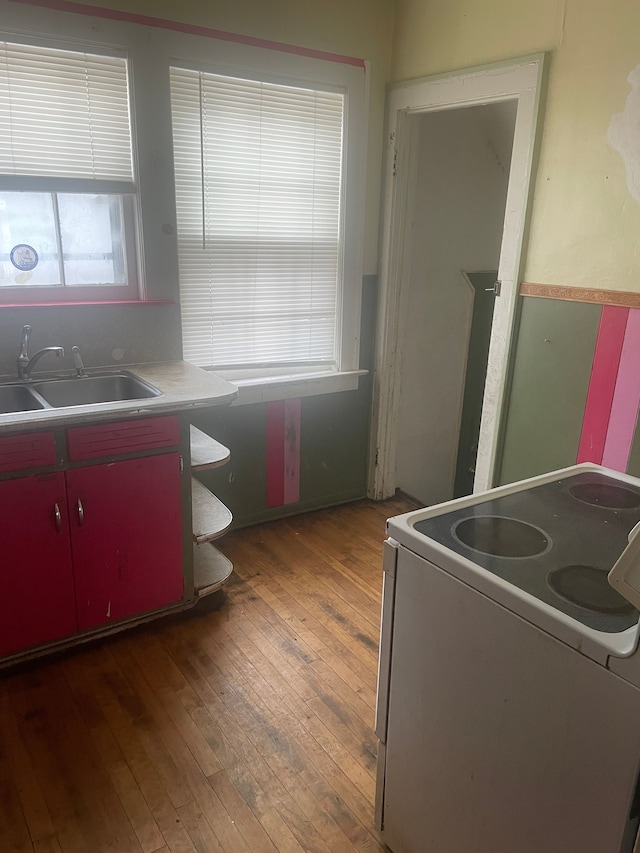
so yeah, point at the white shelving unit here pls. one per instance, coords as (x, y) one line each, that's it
(211, 518)
(206, 452)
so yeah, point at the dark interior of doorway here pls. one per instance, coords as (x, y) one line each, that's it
(483, 303)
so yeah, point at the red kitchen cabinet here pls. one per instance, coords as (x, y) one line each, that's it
(95, 541)
(126, 537)
(37, 604)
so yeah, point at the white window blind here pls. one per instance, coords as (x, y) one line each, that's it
(63, 114)
(259, 196)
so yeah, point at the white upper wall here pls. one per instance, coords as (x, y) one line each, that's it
(585, 220)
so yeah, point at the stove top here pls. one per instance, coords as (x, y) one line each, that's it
(556, 541)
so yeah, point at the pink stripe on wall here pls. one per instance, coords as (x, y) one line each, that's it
(602, 384)
(626, 399)
(191, 29)
(283, 452)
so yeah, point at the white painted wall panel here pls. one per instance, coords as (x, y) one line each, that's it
(460, 194)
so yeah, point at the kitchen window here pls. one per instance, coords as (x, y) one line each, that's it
(67, 192)
(266, 269)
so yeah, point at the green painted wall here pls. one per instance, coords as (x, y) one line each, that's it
(634, 456)
(551, 372)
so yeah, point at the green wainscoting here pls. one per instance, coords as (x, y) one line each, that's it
(551, 371)
(633, 466)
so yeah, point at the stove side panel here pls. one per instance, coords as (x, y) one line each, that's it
(499, 736)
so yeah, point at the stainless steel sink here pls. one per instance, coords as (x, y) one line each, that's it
(89, 390)
(18, 398)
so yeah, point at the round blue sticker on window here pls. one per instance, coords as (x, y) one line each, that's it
(24, 257)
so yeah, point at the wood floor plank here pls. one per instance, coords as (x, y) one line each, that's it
(19, 765)
(105, 819)
(271, 733)
(242, 726)
(315, 673)
(318, 590)
(277, 656)
(254, 834)
(150, 776)
(220, 821)
(133, 802)
(255, 783)
(47, 845)
(294, 741)
(155, 729)
(354, 637)
(277, 596)
(145, 665)
(282, 609)
(326, 576)
(200, 832)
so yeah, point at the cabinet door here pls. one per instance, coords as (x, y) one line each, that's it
(36, 600)
(126, 535)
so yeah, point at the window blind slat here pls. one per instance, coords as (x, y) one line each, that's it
(259, 195)
(64, 114)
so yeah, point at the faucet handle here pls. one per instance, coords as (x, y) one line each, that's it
(77, 361)
(24, 341)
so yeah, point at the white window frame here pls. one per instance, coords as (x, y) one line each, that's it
(151, 52)
(133, 289)
(250, 63)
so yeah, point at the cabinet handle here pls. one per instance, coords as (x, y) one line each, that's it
(80, 513)
(58, 516)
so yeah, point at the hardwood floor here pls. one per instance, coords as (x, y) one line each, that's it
(243, 726)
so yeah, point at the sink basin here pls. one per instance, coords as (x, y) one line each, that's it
(89, 390)
(18, 398)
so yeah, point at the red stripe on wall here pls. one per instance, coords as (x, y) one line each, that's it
(292, 451)
(283, 452)
(604, 374)
(191, 29)
(275, 453)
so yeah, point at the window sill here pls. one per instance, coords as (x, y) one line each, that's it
(87, 303)
(268, 389)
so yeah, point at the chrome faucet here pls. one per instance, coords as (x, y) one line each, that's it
(24, 363)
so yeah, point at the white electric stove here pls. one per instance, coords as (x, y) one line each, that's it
(508, 711)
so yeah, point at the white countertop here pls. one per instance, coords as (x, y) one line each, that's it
(183, 386)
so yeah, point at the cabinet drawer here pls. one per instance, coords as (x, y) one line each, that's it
(30, 450)
(122, 437)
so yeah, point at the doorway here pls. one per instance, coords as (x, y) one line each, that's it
(456, 217)
(460, 155)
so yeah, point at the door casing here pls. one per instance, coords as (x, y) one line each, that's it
(522, 80)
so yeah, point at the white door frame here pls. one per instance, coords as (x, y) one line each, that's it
(519, 79)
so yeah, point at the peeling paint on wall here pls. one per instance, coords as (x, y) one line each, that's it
(624, 134)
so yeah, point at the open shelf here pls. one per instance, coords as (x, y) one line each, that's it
(206, 452)
(211, 569)
(210, 516)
